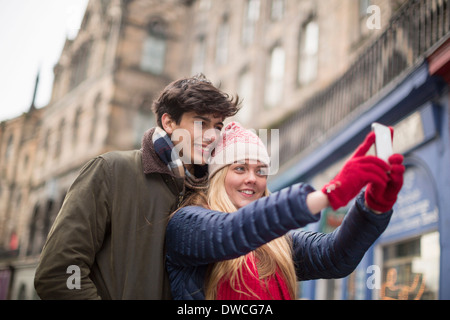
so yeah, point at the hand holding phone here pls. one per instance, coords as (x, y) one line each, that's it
(383, 141)
(357, 172)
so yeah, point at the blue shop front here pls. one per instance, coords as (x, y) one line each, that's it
(411, 260)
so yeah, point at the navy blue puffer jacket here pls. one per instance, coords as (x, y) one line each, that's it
(197, 237)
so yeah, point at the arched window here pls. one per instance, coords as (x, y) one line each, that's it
(154, 48)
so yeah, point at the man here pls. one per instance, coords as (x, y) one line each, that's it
(107, 241)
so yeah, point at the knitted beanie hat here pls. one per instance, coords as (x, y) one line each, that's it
(237, 144)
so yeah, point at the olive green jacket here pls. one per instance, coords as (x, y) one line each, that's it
(107, 241)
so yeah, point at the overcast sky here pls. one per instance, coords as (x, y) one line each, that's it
(32, 35)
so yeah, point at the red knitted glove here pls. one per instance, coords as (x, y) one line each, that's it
(358, 171)
(382, 197)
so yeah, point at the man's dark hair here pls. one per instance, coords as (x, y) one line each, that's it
(195, 94)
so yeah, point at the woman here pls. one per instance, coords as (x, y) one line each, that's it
(236, 242)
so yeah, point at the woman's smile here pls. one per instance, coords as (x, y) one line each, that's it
(246, 182)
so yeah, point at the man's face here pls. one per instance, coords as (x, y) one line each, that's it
(194, 137)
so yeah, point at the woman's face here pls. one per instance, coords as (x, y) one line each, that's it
(246, 182)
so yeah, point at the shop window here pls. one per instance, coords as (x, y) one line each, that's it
(32, 231)
(411, 269)
(47, 221)
(45, 146)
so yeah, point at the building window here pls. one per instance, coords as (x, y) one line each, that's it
(45, 146)
(274, 78)
(363, 5)
(198, 63)
(204, 5)
(143, 120)
(80, 65)
(222, 42)
(59, 138)
(33, 226)
(250, 19)
(9, 147)
(411, 269)
(154, 48)
(246, 93)
(95, 115)
(76, 126)
(26, 161)
(47, 219)
(277, 10)
(308, 53)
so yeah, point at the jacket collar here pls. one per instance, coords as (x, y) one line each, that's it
(151, 162)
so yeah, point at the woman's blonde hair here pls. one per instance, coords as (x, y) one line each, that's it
(275, 256)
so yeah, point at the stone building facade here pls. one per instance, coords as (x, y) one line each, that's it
(274, 54)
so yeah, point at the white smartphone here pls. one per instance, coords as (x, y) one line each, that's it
(383, 141)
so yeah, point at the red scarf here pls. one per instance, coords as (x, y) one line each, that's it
(274, 288)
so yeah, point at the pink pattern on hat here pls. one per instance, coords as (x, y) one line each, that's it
(237, 144)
